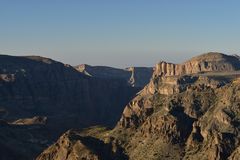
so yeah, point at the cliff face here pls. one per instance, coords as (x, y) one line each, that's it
(40, 91)
(200, 122)
(135, 76)
(39, 86)
(189, 113)
(190, 107)
(163, 87)
(209, 62)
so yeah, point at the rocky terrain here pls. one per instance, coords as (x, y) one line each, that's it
(85, 144)
(43, 98)
(135, 76)
(188, 111)
(210, 62)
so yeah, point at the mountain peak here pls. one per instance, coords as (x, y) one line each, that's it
(213, 56)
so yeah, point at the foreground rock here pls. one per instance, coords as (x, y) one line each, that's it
(88, 145)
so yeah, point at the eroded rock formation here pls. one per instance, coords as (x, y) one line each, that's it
(209, 62)
(188, 111)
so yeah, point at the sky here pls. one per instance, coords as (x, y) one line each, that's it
(119, 33)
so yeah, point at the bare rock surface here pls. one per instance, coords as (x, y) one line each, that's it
(31, 121)
(209, 62)
(189, 111)
(88, 145)
(195, 111)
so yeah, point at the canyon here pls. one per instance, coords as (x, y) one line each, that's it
(53, 111)
(188, 111)
(41, 98)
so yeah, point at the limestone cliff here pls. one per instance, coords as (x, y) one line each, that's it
(209, 62)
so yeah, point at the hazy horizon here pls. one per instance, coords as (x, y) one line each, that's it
(114, 66)
(118, 33)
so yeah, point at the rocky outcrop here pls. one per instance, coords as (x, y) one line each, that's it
(190, 108)
(74, 145)
(168, 69)
(235, 155)
(37, 120)
(161, 87)
(201, 122)
(134, 76)
(67, 147)
(209, 62)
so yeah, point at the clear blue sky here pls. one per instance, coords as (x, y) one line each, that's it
(119, 33)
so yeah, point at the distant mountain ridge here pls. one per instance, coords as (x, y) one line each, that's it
(135, 76)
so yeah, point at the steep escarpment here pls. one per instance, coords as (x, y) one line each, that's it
(134, 76)
(40, 91)
(196, 114)
(183, 115)
(201, 122)
(32, 86)
(209, 62)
